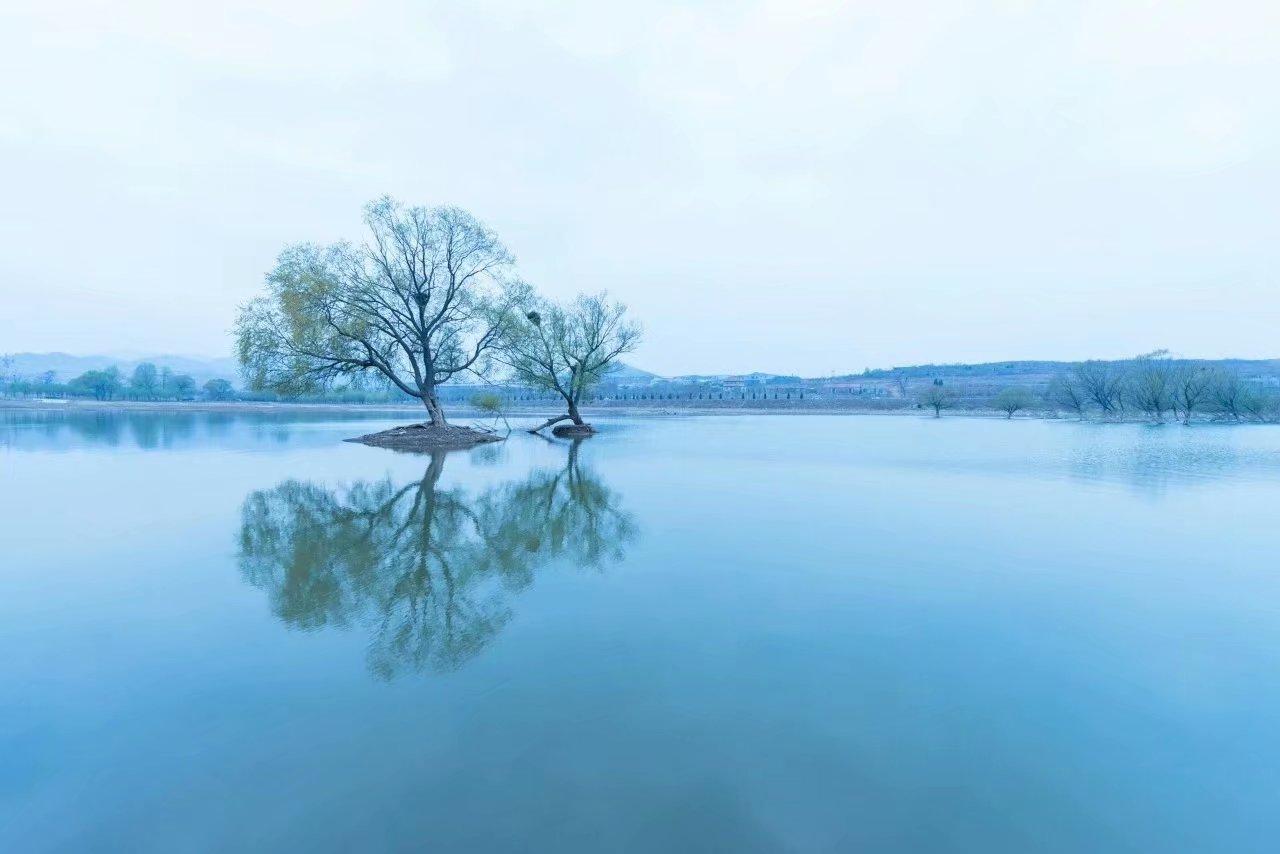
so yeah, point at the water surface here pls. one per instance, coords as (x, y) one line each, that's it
(234, 632)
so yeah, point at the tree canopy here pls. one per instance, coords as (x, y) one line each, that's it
(567, 349)
(102, 385)
(422, 299)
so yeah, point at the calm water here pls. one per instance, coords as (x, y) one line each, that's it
(719, 634)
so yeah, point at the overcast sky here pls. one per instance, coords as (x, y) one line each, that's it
(788, 186)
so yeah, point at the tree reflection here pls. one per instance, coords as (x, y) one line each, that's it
(430, 572)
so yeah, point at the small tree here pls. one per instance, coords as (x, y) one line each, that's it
(1012, 399)
(568, 349)
(145, 382)
(490, 403)
(184, 386)
(218, 389)
(937, 397)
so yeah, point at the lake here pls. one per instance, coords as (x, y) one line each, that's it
(757, 633)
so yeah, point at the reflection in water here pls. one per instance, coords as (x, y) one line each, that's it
(429, 572)
(175, 428)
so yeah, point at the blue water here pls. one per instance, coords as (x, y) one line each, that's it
(807, 633)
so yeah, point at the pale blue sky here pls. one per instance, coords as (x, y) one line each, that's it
(789, 186)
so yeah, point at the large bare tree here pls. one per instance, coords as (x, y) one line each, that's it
(1230, 394)
(1066, 391)
(568, 349)
(1102, 383)
(1151, 385)
(421, 300)
(1192, 390)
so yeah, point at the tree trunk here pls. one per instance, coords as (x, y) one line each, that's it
(434, 412)
(573, 415)
(544, 425)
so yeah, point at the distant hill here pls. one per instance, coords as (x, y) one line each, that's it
(68, 366)
(622, 372)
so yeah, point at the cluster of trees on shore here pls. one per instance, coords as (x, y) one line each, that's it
(429, 296)
(1153, 386)
(146, 382)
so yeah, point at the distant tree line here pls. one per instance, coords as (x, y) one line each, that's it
(146, 382)
(1153, 386)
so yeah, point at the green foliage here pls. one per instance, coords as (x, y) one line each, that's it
(218, 389)
(423, 299)
(432, 574)
(101, 385)
(487, 401)
(145, 382)
(568, 349)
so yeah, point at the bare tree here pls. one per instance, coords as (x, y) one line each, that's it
(568, 349)
(423, 299)
(1012, 399)
(1151, 387)
(900, 381)
(937, 397)
(1230, 394)
(1260, 405)
(1192, 388)
(1102, 384)
(1066, 391)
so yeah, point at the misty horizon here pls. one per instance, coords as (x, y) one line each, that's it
(807, 187)
(132, 358)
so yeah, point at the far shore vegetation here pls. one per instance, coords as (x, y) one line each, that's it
(1147, 388)
(430, 308)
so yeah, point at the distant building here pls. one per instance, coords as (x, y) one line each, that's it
(855, 389)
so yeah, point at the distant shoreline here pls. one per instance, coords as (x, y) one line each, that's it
(658, 409)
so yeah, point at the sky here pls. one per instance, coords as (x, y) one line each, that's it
(796, 186)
